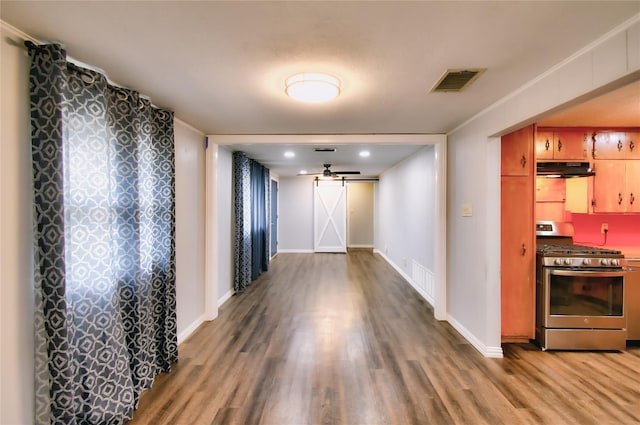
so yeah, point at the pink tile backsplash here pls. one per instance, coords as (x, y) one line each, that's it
(624, 230)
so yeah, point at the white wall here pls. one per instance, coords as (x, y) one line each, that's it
(190, 227)
(16, 293)
(16, 300)
(405, 225)
(474, 166)
(295, 205)
(295, 224)
(360, 214)
(224, 211)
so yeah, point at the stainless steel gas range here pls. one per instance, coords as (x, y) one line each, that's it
(579, 298)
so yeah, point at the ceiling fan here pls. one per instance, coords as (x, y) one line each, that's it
(328, 173)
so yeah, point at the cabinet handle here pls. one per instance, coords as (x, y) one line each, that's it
(524, 249)
(620, 145)
(631, 145)
(559, 145)
(523, 161)
(631, 198)
(619, 198)
(546, 145)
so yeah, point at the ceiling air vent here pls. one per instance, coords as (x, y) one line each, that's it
(457, 79)
(325, 149)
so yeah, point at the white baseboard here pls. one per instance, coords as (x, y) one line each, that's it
(225, 298)
(406, 277)
(360, 246)
(493, 352)
(186, 333)
(296, 251)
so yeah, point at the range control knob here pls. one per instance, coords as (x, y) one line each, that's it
(615, 262)
(557, 261)
(586, 261)
(604, 262)
(568, 261)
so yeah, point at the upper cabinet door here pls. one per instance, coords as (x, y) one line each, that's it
(633, 145)
(609, 187)
(610, 145)
(562, 145)
(516, 152)
(544, 145)
(571, 145)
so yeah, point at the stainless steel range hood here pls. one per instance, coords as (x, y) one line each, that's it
(564, 170)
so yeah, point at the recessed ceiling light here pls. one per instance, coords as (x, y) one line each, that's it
(312, 87)
(364, 154)
(289, 154)
(303, 172)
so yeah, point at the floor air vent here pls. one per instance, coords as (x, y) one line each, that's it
(456, 79)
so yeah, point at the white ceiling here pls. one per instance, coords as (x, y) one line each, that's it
(383, 153)
(221, 66)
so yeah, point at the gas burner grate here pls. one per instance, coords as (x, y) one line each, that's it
(575, 250)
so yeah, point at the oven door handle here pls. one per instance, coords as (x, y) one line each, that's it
(587, 273)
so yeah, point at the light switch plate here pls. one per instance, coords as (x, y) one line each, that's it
(467, 210)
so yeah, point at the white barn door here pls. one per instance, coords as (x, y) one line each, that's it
(330, 216)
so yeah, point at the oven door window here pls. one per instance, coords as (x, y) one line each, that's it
(586, 295)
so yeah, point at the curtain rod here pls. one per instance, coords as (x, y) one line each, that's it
(82, 68)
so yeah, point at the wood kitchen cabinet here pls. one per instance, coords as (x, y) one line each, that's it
(516, 153)
(517, 265)
(517, 247)
(550, 190)
(616, 186)
(632, 300)
(550, 197)
(633, 145)
(544, 144)
(562, 144)
(632, 170)
(611, 145)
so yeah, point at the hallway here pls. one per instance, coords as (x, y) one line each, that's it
(343, 339)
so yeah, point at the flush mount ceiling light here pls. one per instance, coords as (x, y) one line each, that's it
(289, 154)
(365, 154)
(312, 87)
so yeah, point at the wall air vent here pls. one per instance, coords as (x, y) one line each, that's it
(325, 149)
(456, 79)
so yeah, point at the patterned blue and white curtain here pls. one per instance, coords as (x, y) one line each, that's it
(104, 228)
(251, 207)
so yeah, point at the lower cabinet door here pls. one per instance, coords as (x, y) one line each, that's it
(517, 259)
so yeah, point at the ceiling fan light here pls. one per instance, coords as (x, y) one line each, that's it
(312, 87)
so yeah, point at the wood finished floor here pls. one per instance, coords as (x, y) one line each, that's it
(343, 339)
